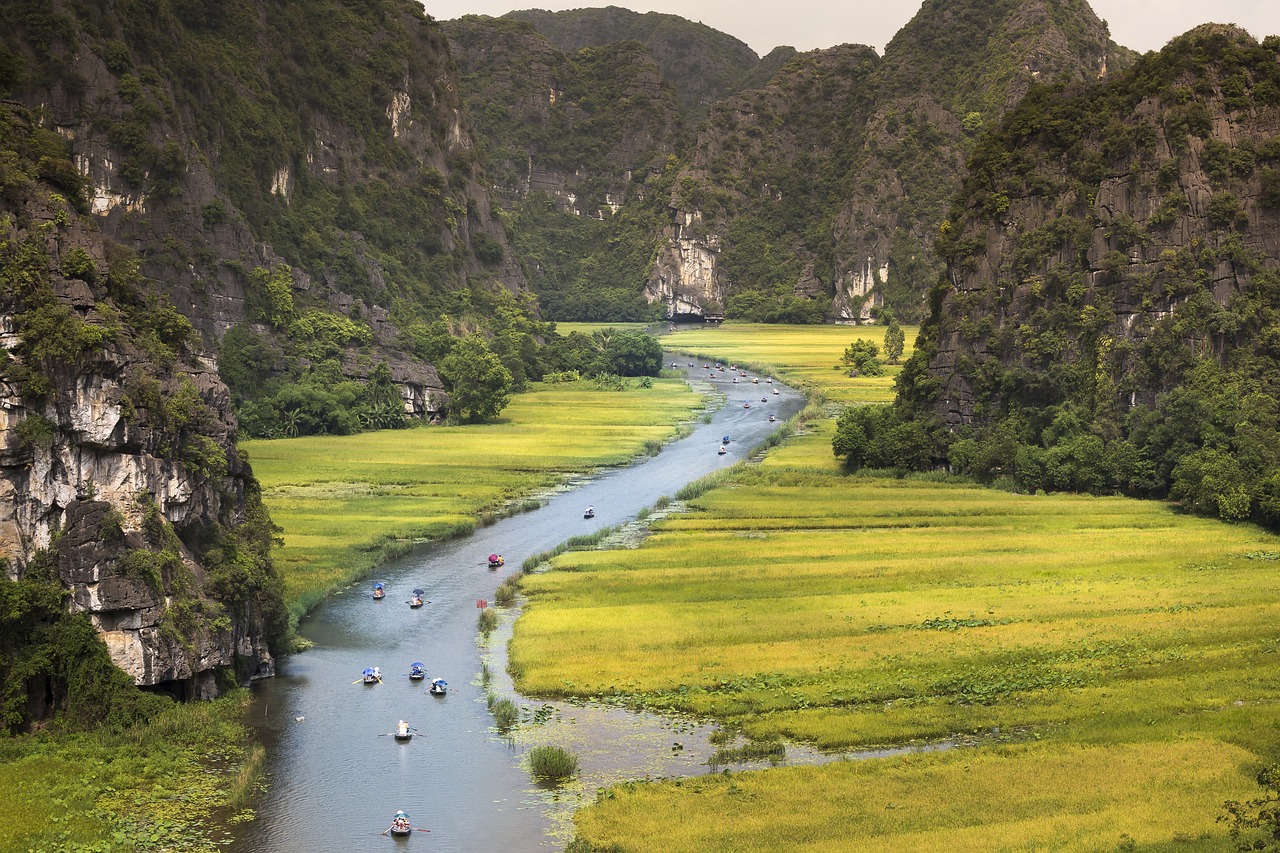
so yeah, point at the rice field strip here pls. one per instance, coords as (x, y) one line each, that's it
(1102, 638)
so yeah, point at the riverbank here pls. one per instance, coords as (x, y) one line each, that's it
(1106, 647)
(347, 504)
(173, 783)
(334, 776)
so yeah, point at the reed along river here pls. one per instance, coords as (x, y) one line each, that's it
(337, 777)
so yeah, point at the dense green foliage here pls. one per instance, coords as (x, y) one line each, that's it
(703, 65)
(47, 652)
(607, 133)
(268, 139)
(1064, 397)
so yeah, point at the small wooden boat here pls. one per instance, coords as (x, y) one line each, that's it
(399, 825)
(496, 561)
(402, 733)
(772, 419)
(722, 450)
(379, 591)
(371, 675)
(746, 405)
(417, 671)
(416, 601)
(438, 687)
(590, 513)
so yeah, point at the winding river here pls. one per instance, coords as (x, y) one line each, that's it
(336, 776)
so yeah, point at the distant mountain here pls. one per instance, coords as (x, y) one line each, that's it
(816, 182)
(955, 67)
(703, 65)
(570, 140)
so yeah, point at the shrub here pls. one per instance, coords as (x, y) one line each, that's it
(78, 264)
(487, 621)
(552, 763)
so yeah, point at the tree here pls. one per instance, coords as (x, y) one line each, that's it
(895, 341)
(1255, 824)
(633, 354)
(861, 356)
(479, 386)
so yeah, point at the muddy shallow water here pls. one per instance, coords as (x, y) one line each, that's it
(336, 776)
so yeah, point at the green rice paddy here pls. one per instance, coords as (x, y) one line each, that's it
(1104, 670)
(346, 503)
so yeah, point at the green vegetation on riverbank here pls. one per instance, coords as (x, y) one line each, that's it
(1082, 651)
(347, 503)
(171, 783)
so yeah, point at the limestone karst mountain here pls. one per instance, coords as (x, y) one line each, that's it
(1109, 317)
(814, 184)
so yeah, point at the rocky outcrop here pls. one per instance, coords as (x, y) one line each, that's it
(118, 465)
(1108, 237)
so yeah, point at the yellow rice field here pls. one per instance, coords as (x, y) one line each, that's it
(1104, 672)
(806, 356)
(347, 502)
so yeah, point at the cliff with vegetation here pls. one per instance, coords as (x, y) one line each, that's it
(1109, 317)
(569, 140)
(701, 64)
(952, 69)
(815, 184)
(303, 174)
(127, 518)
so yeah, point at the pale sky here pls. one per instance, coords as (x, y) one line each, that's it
(807, 24)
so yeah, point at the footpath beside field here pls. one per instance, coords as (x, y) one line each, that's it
(1106, 667)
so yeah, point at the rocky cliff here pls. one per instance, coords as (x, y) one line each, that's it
(315, 135)
(701, 64)
(584, 127)
(816, 183)
(952, 69)
(1109, 238)
(745, 220)
(118, 467)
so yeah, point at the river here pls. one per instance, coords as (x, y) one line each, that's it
(336, 777)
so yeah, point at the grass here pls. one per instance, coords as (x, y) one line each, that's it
(805, 356)
(348, 503)
(168, 784)
(552, 763)
(1106, 667)
(506, 713)
(587, 328)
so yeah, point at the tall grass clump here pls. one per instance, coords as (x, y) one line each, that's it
(702, 485)
(487, 621)
(505, 594)
(774, 751)
(246, 784)
(552, 763)
(505, 713)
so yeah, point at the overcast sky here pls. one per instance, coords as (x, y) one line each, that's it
(806, 24)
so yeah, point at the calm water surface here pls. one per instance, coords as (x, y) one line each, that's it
(336, 777)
